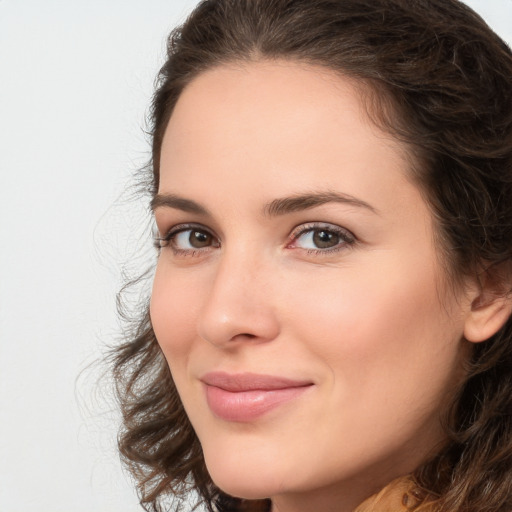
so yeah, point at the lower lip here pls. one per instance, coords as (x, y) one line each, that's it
(245, 406)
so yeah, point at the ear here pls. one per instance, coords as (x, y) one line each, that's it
(491, 306)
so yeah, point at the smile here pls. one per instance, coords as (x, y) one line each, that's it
(245, 397)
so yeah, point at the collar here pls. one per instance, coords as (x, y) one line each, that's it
(400, 495)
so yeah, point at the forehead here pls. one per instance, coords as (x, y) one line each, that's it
(268, 125)
(238, 94)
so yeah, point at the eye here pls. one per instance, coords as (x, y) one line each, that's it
(192, 239)
(321, 238)
(188, 240)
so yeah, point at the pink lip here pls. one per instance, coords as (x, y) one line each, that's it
(246, 396)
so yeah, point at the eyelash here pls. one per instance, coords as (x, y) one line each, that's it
(168, 239)
(346, 238)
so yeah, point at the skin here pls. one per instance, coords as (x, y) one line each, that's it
(370, 323)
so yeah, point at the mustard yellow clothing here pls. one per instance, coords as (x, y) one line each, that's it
(397, 496)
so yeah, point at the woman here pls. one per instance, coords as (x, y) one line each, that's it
(329, 323)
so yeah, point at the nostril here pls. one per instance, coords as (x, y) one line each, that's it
(245, 335)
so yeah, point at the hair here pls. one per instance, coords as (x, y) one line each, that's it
(438, 79)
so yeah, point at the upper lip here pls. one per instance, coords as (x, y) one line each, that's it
(250, 381)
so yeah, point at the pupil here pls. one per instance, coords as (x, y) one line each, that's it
(325, 239)
(199, 239)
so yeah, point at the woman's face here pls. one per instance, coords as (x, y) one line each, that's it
(298, 297)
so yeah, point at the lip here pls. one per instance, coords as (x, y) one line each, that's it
(244, 397)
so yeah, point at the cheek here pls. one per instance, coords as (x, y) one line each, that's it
(174, 308)
(379, 328)
(389, 352)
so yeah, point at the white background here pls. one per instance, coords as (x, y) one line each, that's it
(75, 81)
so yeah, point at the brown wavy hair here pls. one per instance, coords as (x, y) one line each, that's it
(437, 78)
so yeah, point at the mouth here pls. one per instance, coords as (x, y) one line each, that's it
(245, 397)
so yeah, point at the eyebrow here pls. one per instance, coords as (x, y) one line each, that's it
(306, 201)
(277, 207)
(178, 203)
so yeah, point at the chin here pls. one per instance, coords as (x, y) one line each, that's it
(252, 488)
(243, 478)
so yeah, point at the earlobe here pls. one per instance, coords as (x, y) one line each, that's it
(488, 314)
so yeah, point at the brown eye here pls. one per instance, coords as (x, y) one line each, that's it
(191, 239)
(324, 239)
(199, 239)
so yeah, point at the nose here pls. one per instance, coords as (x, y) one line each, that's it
(239, 305)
